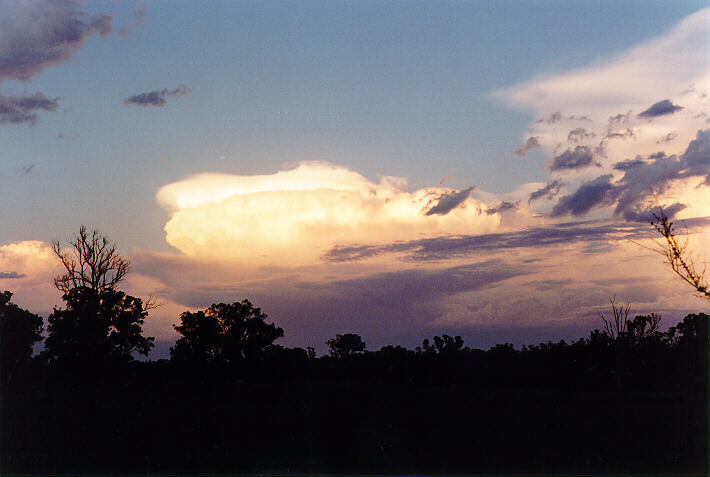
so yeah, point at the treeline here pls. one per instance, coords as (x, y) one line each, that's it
(627, 398)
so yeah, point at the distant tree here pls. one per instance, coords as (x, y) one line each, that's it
(96, 326)
(621, 330)
(346, 345)
(19, 330)
(443, 344)
(681, 260)
(224, 332)
(99, 322)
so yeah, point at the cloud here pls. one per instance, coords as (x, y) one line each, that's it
(445, 203)
(660, 108)
(502, 207)
(157, 97)
(599, 191)
(438, 248)
(531, 143)
(22, 109)
(11, 275)
(549, 191)
(138, 14)
(32, 265)
(579, 135)
(37, 34)
(581, 157)
(629, 163)
(28, 169)
(670, 137)
(293, 216)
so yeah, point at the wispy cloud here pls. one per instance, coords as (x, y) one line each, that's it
(530, 144)
(549, 191)
(157, 97)
(23, 109)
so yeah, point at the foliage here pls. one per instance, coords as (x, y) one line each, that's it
(224, 332)
(96, 326)
(346, 345)
(19, 330)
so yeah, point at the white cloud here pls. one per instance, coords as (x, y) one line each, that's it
(293, 216)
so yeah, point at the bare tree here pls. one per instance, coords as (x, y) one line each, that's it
(91, 261)
(617, 327)
(681, 260)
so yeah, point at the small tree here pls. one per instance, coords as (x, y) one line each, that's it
(346, 345)
(19, 330)
(224, 332)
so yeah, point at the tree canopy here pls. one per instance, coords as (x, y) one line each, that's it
(224, 332)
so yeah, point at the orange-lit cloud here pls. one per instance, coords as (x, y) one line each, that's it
(293, 216)
(27, 269)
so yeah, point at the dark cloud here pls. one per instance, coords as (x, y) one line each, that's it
(580, 118)
(157, 97)
(667, 138)
(11, 275)
(36, 34)
(652, 213)
(661, 108)
(23, 109)
(599, 191)
(581, 157)
(548, 191)
(447, 202)
(620, 134)
(579, 135)
(642, 181)
(620, 118)
(440, 248)
(629, 163)
(554, 118)
(531, 143)
(502, 207)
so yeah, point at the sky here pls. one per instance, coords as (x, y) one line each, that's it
(393, 169)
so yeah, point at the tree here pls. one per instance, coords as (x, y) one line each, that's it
(91, 262)
(96, 327)
(19, 330)
(99, 322)
(224, 332)
(346, 345)
(681, 260)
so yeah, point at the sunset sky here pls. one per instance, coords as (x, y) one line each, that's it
(393, 169)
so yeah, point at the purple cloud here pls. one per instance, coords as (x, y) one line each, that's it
(660, 108)
(22, 109)
(594, 193)
(569, 160)
(36, 34)
(157, 97)
(447, 202)
(531, 143)
(548, 191)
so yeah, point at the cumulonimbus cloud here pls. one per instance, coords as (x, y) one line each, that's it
(293, 216)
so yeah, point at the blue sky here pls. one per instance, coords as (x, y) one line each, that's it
(440, 93)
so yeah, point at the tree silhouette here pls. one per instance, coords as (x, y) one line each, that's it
(97, 326)
(224, 332)
(19, 330)
(346, 345)
(91, 262)
(678, 256)
(99, 322)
